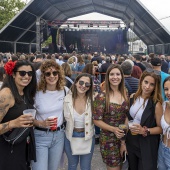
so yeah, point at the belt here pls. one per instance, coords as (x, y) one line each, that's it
(78, 129)
(46, 130)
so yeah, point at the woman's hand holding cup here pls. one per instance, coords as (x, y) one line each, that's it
(22, 121)
(53, 122)
(118, 132)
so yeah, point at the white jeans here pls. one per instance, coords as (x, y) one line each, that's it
(49, 149)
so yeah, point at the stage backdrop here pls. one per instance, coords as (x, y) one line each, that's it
(96, 40)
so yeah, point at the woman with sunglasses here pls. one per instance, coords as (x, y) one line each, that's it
(16, 95)
(110, 108)
(164, 146)
(79, 140)
(49, 127)
(91, 69)
(145, 111)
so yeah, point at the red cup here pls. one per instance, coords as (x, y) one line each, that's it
(54, 125)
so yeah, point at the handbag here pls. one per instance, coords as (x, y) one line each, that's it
(80, 146)
(17, 135)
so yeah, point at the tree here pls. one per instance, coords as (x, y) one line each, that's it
(8, 9)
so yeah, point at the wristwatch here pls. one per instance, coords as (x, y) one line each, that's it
(148, 132)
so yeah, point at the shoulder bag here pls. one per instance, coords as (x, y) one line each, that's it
(80, 146)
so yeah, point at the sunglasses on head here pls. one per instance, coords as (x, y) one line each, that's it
(86, 83)
(48, 74)
(150, 70)
(23, 73)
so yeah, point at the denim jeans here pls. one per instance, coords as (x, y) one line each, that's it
(163, 157)
(73, 160)
(49, 149)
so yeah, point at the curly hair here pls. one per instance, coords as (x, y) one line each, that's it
(42, 86)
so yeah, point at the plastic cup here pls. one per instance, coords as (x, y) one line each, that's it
(54, 125)
(124, 128)
(130, 124)
(30, 111)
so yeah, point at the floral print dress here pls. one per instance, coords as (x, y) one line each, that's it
(109, 143)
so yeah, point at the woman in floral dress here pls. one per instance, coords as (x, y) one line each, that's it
(110, 108)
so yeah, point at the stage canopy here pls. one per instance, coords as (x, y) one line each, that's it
(23, 29)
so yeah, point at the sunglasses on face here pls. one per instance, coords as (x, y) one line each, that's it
(23, 73)
(48, 74)
(150, 70)
(86, 83)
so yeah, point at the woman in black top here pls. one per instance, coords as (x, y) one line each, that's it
(16, 95)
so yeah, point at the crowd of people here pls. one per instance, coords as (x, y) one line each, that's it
(121, 102)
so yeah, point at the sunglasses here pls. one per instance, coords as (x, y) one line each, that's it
(48, 74)
(23, 73)
(150, 70)
(86, 83)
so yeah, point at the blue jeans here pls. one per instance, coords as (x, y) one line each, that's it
(163, 157)
(49, 149)
(73, 160)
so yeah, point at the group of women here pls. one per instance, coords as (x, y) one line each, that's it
(79, 109)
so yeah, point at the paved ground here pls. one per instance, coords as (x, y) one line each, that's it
(97, 163)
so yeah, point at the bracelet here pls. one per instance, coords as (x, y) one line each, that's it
(147, 131)
(123, 143)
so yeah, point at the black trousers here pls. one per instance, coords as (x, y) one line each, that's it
(135, 160)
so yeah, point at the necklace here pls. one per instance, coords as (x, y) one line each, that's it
(23, 99)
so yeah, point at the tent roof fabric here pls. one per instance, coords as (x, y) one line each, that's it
(22, 28)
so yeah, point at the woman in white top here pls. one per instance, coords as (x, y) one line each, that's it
(164, 146)
(142, 140)
(79, 140)
(49, 134)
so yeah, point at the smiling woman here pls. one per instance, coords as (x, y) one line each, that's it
(145, 111)
(79, 139)
(16, 95)
(49, 127)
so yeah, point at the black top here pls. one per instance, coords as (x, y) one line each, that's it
(147, 146)
(21, 152)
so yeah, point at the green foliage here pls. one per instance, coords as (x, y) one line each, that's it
(47, 42)
(8, 9)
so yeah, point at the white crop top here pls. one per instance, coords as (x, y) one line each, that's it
(136, 110)
(165, 126)
(79, 120)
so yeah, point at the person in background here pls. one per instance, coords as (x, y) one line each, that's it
(78, 115)
(80, 64)
(67, 72)
(164, 146)
(104, 68)
(17, 94)
(110, 109)
(156, 64)
(49, 102)
(136, 72)
(97, 58)
(137, 61)
(142, 140)
(164, 65)
(131, 83)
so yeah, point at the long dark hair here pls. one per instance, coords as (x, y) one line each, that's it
(29, 90)
(108, 87)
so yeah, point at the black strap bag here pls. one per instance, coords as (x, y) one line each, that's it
(17, 135)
